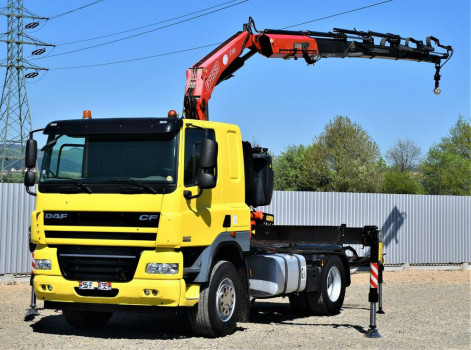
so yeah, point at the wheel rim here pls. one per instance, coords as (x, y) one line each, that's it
(225, 300)
(334, 284)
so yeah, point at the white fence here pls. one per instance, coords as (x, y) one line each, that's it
(416, 229)
(15, 209)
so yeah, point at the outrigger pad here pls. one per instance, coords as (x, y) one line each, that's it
(372, 333)
(31, 313)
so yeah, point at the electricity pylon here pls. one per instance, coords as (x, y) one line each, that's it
(15, 118)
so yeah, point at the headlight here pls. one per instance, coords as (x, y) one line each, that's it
(42, 264)
(162, 269)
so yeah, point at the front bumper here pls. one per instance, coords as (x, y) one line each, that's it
(169, 292)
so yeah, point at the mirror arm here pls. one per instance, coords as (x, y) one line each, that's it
(32, 132)
(188, 195)
(30, 192)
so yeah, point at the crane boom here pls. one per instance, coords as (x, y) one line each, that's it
(311, 46)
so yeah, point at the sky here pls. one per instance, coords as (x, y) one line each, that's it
(275, 102)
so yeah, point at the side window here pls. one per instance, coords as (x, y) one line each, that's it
(193, 140)
(65, 160)
(69, 162)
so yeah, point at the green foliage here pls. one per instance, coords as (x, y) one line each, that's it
(447, 167)
(404, 182)
(13, 177)
(288, 167)
(343, 158)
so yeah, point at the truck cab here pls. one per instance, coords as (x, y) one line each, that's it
(120, 218)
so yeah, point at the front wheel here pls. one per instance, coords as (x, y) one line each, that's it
(215, 315)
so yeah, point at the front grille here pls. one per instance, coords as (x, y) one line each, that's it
(106, 264)
(99, 218)
(135, 236)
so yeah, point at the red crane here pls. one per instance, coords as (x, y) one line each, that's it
(228, 57)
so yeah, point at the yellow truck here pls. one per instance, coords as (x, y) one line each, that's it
(151, 214)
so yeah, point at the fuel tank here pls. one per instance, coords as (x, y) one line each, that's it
(276, 274)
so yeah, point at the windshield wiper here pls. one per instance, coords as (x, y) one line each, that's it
(136, 185)
(50, 144)
(76, 186)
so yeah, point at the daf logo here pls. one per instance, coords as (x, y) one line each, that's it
(147, 217)
(55, 216)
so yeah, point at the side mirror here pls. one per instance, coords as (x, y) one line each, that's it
(30, 178)
(208, 162)
(31, 153)
(209, 154)
(206, 181)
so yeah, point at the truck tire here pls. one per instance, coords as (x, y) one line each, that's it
(329, 299)
(215, 315)
(86, 319)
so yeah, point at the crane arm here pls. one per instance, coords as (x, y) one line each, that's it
(228, 57)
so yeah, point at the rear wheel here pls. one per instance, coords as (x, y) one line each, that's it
(215, 315)
(86, 319)
(328, 300)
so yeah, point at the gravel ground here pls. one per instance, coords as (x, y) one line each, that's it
(424, 309)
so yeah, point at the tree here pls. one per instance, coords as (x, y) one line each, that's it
(343, 158)
(288, 167)
(404, 155)
(13, 177)
(447, 167)
(404, 182)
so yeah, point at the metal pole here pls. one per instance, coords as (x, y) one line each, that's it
(380, 290)
(32, 312)
(373, 315)
(373, 299)
(373, 296)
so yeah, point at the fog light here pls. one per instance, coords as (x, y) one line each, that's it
(43, 287)
(146, 291)
(162, 269)
(42, 264)
(154, 292)
(49, 287)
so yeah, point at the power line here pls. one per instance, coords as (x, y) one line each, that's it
(77, 9)
(146, 32)
(145, 26)
(137, 59)
(338, 14)
(204, 46)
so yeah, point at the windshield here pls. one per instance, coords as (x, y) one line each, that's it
(140, 160)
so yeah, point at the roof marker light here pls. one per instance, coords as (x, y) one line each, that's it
(87, 114)
(172, 114)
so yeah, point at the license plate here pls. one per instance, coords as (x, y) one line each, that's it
(95, 285)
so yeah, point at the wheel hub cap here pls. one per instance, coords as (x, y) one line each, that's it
(225, 299)
(334, 283)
